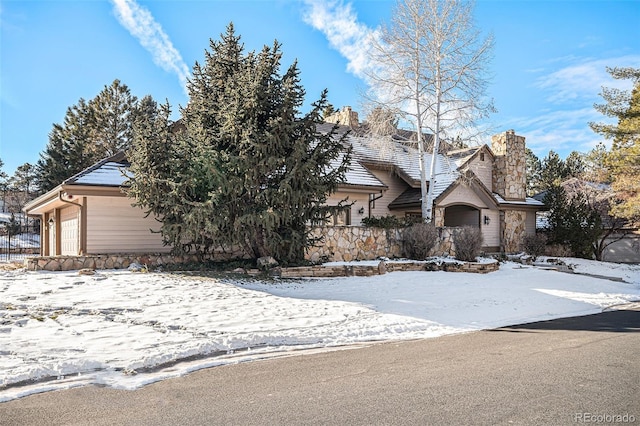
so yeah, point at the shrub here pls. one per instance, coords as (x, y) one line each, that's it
(535, 244)
(573, 222)
(558, 250)
(389, 222)
(468, 242)
(384, 222)
(419, 239)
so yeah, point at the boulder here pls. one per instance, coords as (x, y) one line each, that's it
(266, 262)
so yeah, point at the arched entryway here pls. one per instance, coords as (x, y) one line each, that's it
(461, 215)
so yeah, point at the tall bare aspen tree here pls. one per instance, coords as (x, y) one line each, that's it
(429, 66)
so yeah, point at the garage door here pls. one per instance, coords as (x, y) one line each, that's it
(69, 231)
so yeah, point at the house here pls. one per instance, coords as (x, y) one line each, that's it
(90, 214)
(479, 186)
(484, 187)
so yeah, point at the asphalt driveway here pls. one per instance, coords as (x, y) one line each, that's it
(566, 371)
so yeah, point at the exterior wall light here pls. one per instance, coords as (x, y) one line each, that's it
(487, 220)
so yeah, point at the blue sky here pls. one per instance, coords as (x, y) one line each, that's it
(548, 67)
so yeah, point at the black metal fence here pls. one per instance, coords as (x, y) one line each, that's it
(19, 239)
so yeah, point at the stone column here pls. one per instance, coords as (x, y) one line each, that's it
(514, 230)
(509, 168)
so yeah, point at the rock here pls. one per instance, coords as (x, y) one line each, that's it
(86, 271)
(136, 267)
(382, 267)
(266, 262)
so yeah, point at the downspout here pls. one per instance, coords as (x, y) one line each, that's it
(82, 218)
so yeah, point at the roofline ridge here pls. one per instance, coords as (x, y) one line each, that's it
(119, 156)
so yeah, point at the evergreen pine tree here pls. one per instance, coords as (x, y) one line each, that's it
(573, 221)
(575, 165)
(247, 168)
(596, 169)
(66, 153)
(534, 170)
(23, 179)
(90, 131)
(4, 186)
(553, 170)
(155, 165)
(623, 160)
(113, 111)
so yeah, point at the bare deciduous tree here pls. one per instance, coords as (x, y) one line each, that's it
(429, 66)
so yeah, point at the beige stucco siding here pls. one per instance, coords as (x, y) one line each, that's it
(490, 232)
(360, 200)
(482, 169)
(462, 195)
(70, 230)
(114, 226)
(396, 186)
(530, 223)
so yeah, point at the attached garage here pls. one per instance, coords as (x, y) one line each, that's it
(89, 214)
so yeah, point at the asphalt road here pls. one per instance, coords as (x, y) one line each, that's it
(569, 371)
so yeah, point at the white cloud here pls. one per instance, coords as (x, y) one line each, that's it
(570, 92)
(339, 23)
(141, 24)
(562, 131)
(583, 79)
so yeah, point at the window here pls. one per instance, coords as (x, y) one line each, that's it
(482, 156)
(342, 218)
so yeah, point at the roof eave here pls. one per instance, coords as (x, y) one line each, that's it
(34, 206)
(93, 190)
(363, 188)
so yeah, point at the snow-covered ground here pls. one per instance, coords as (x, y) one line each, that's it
(127, 329)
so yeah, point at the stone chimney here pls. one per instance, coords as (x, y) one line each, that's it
(509, 167)
(344, 116)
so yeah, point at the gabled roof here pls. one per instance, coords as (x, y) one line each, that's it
(107, 172)
(468, 178)
(412, 197)
(404, 160)
(357, 176)
(528, 202)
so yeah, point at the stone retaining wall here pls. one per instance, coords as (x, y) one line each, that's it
(347, 243)
(340, 243)
(104, 261)
(382, 268)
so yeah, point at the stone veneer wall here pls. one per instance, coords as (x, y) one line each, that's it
(341, 243)
(104, 261)
(509, 168)
(347, 243)
(513, 230)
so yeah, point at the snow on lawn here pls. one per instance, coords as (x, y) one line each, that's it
(126, 329)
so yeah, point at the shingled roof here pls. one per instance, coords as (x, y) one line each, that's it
(110, 171)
